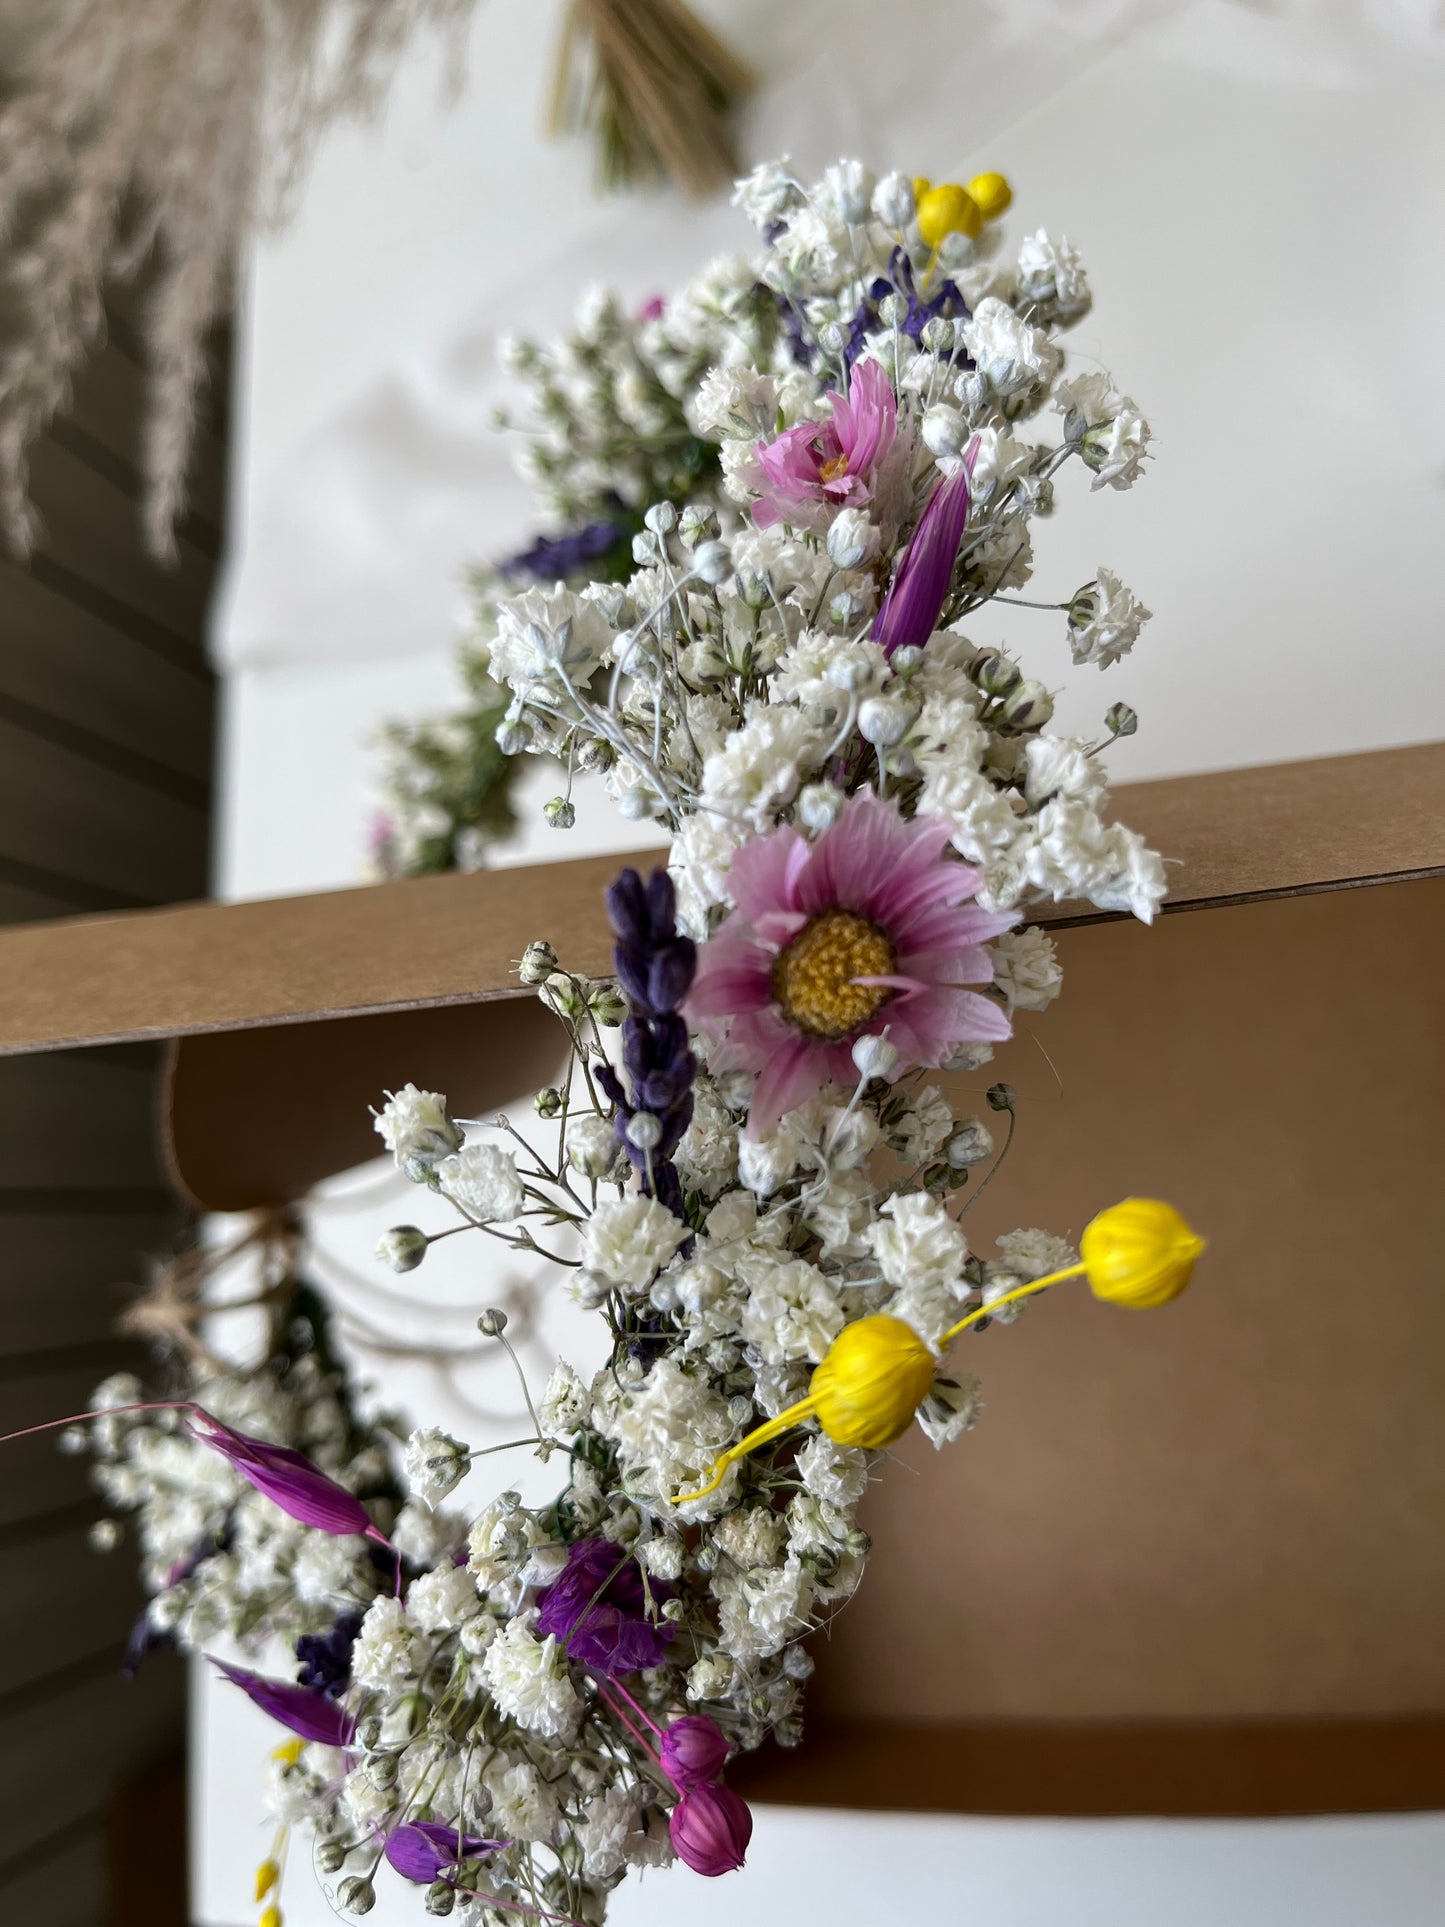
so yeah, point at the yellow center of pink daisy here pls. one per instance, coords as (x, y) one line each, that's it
(815, 978)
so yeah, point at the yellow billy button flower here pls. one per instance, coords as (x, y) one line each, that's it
(874, 1376)
(991, 195)
(877, 1371)
(271, 1917)
(1140, 1253)
(267, 1874)
(948, 209)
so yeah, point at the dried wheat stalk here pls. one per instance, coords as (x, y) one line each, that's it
(655, 90)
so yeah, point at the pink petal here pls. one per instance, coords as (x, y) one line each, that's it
(763, 875)
(791, 1076)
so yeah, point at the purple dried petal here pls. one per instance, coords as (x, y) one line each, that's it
(423, 1850)
(915, 599)
(312, 1715)
(290, 1480)
(598, 1609)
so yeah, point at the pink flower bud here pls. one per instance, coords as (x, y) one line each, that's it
(694, 1750)
(710, 1829)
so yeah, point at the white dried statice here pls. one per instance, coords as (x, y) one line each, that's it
(415, 1128)
(435, 1463)
(1009, 352)
(791, 1311)
(530, 1683)
(1104, 621)
(565, 1404)
(443, 1601)
(1051, 278)
(388, 1653)
(1107, 428)
(762, 767)
(952, 1407)
(592, 1146)
(1035, 1253)
(483, 1181)
(924, 1128)
(1026, 968)
(921, 1253)
(629, 1240)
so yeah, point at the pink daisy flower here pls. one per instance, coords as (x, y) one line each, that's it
(871, 929)
(811, 471)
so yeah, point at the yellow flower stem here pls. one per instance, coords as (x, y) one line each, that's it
(775, 1427)
(1008, 1298)
(806, 1407)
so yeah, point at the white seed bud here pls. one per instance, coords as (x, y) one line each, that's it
(1029, 707)
(559, 813)
(892, 310)
(588, 1290)
(873, 1055)
(539, 960)
(661, 518)
(403, 1247)
(644, 547)
(635, 803)
(906, 661)
(944, 430)
(493, 1322)
(644, 1129)
(971, 1143)
(893, 200)
(712, 562)
(819, 805)
(882, 722)
(356, 1895)
(852, 539)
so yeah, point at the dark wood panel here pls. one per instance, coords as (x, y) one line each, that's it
(92, 527)
(1258, 1769)
(70, 816)
(63, 1602)
(62, 1115)
(20, 904)
(68, 662)
(61, 1883)
(62, 1754)
(101, 1256)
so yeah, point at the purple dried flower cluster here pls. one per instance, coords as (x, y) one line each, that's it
(599, 1609)
(655, 967)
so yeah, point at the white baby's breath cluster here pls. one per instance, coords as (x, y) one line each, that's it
(221, 1563)
(738, 681)
(731, 675)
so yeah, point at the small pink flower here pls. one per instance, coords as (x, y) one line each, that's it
(818, 467)
(694, 1751)
(711, 1827)
(869, 930)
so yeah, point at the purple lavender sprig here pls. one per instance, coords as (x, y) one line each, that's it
(655, 968)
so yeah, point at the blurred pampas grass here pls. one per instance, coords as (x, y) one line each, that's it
(160, 132)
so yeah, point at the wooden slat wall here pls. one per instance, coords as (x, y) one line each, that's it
(106, 716)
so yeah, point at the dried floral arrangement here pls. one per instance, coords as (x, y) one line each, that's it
(626, 413)
(749, 1174)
